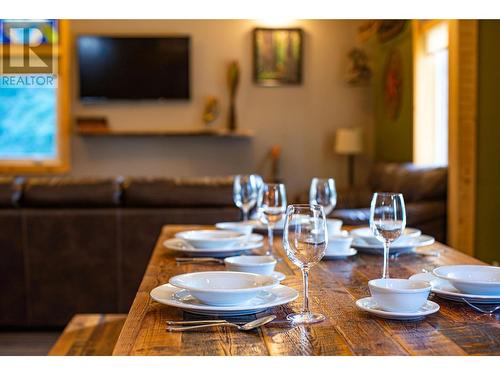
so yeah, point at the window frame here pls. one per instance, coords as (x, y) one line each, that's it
(60, 164)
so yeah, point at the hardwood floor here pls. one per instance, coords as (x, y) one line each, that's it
(27, 342)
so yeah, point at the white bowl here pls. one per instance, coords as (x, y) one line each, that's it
(472, 279)
(236, 226)
(261, 264)
(223, 288)
(399, 295)
(211, 238)
(367, 236)
(338, 245)
(333, 226)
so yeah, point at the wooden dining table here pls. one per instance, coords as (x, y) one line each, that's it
(335, 285)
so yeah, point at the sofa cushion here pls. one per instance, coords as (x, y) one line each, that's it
(10, 191)
(71, 192)
(416, 183)
(416, 213)
(170, 192)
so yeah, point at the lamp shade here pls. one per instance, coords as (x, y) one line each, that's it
(348, 141)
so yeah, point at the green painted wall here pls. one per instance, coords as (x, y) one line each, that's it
(394, 138)
(488, 143)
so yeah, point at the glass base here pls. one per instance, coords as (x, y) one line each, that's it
(305, 318)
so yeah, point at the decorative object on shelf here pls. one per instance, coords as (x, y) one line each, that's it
(385, 30)
(93, 125)
(211, 110)
(393, 84)
(277, 56)
(349, 141)
(233, 80)
(359, 72)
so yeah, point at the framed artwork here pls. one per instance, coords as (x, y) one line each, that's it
(277, 56)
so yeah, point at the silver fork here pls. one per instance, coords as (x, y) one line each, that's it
(492, 311)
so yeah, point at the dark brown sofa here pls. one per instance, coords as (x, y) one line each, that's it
(424, 190)
(81, 245)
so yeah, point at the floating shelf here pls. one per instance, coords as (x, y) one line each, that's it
(203, 132)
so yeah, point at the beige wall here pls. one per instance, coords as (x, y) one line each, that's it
(302, 119)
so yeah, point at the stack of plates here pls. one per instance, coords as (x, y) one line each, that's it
(475, 284)
(223, 293)
(364, 241)
(213, 243)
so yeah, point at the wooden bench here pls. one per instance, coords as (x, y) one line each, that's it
(89, 334)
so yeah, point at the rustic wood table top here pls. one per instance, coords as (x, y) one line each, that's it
(335, 285)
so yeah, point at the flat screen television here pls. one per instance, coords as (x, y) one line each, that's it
(133, 68)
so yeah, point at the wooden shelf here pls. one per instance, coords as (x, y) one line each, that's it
(203, 132)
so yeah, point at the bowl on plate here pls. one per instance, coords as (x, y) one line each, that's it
(366, 235)
(399, 295)
(223, 288)
(338, 244)
(261, 264)
(471, 279)
(236, 226)
(211, 239)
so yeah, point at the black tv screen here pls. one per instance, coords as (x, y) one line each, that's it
(128, 68)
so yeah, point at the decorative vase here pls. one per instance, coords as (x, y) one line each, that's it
(233, 82)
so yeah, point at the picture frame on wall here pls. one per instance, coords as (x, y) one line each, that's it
(277, 56)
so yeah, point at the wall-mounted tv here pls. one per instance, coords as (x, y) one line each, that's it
(133, 68)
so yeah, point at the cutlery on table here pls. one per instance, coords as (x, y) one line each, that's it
(199, 260)
(245, 327)
(491, 311)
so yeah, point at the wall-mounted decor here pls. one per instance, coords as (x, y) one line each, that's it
(358, 71)
(393, 84)
(277, 56)
(385, 30)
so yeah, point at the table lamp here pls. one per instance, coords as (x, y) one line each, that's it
(348, 141)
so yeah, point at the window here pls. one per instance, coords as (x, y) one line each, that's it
(33, 114)
(431, 92)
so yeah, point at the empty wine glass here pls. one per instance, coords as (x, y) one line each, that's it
(272, 206)
(323, 192)
(245, 193)
(387, 221)
(305, 240)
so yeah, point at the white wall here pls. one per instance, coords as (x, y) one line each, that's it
(302, 119)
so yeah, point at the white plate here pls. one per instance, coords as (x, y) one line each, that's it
(368, 304)
(333, 256)
(471, 279)
(444, 289)
(171, 296)
(423, 240)
(240, 248)
(366, 235)
(278, 276)
(211, 238)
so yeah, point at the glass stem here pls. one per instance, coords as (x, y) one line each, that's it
(245, 214)
(305, 280)
(271, 239)
(385, 269)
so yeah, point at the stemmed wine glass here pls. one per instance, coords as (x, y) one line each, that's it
(245, 193)
(272, 206)
(387, 221)
(305, 240)
(323, 192)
